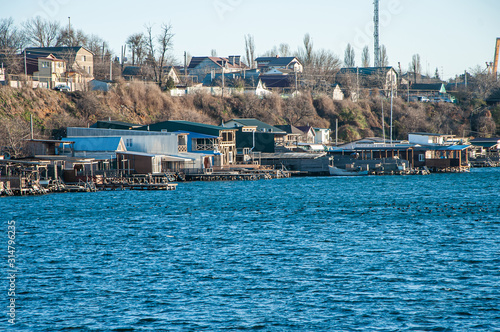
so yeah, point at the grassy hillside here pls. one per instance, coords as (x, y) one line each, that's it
(138, 103)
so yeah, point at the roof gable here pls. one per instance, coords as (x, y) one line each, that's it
(289, 129)
(307, 129)
(261, 126)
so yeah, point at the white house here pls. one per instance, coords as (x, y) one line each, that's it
(430, 139)
(337, 93)
(322, 136)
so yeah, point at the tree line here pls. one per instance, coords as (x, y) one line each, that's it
(151, 51)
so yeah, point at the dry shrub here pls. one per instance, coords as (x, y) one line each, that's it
(209, 105)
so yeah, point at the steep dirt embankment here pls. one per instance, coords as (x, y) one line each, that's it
(138, 103)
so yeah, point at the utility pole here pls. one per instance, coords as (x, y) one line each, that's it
(223, 81)
(296, 83)
(185, 66)
(336, 132)
(25, 66)
(383, 121)
(392, 98)
(31, 127)
(357, 84)
(70, 41)
(376, 34)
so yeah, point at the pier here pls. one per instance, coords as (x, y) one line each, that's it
(135, 182)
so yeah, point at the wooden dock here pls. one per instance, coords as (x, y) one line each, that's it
(135, 182)
(238, 174)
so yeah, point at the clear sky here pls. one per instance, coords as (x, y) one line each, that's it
(452, 35)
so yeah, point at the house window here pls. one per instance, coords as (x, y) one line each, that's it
(230, 157)
(84, 58)
(246, 151)
(421, 157)
(227, 137)
(128, 142)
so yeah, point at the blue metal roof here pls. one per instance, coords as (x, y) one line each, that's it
(95, 143)
(450, 148)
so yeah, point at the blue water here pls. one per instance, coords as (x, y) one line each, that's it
(394, 253)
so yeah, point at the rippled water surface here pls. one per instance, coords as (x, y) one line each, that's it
(417, 253)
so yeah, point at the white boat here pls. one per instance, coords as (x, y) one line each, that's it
(344, 172)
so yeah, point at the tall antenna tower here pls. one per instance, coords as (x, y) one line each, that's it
(375, 35)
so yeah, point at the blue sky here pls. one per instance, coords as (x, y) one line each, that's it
(452, 35)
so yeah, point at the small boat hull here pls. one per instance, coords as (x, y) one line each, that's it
(344, 172)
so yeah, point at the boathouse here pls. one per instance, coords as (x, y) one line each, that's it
(254, 135)
(225, 142)
(442, 158)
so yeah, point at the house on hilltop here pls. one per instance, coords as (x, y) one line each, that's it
(368, 78)
(79, 63)
(203, 65)
(51, 71)
(247, 82)
(292, 64)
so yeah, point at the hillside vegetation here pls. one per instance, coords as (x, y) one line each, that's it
(143, 104)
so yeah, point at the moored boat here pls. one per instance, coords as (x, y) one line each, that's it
(358, 171)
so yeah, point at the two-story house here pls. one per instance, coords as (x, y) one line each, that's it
(51, 71)
(79, 63)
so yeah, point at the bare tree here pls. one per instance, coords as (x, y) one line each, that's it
(158, 48)
(70, 38)
(482, 83)
(40, 32)
(213, 52)
(273, 52)
(324, 67)
(96, 45)
(307, 53)
(12, 42)
(284, 50)
(299, 110)
(415, 66)
(13, 135)
(11, 38)
(102, 56)
(250, 50)
(365, 57)
(137, 45)
(384, 58)
(436, 74)
(349, 56)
